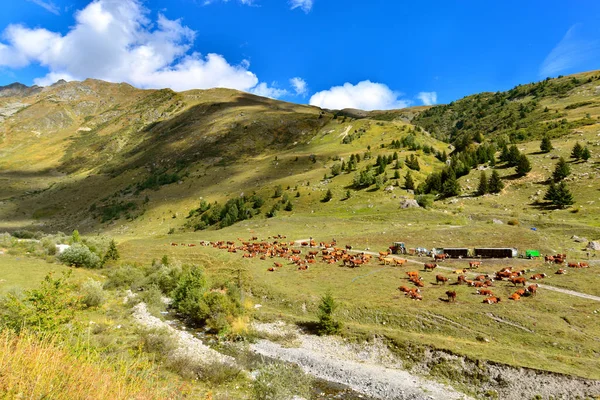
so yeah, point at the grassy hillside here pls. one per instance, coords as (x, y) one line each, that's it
(156, 167)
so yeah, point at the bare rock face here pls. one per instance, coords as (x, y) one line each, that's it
(594, 245)
(409, 203)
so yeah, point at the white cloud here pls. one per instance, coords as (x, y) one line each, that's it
(47, 5)
(580, 45)
(299, 86)
(365, 95)
(428, 98)
(113, 40)
(305, 5)
(262, 89)
(244, 2)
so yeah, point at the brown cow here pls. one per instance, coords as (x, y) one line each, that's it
(474, 264)
(536, 277)
(532, 289)
(549, 259)
(521, 292)
(515, 296)
(584, 265)
(271, 269)
(561, 272)
(400, 261)
(430, 267)
(519, 280)
(278, 265)
(461, 279)
(415, 296)
(441, 257)
(485, 292)
(451, 295)
(404, 289)
(441, 278)
(492, 300)
(412, 274)
(573, 265)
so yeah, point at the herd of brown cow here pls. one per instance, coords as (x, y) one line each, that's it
(331, 254)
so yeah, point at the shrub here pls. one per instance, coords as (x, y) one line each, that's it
(327, 325)
(281, 382)
(125, 277)
(153, 297)
(425, 200)
(79, 255)
(92, 293)
(513, 222)
(112, 254)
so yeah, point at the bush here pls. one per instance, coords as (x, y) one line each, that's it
(513, 222)
(425, 200)
(153, 297)
(327, 325)
(281, 382)
(79, 255)
(126, 277)
(212, 308)
(92, 293)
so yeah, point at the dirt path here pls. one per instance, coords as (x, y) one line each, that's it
(369, 369)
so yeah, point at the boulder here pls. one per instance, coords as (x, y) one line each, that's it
(497, 221)
(594, 245)
(409, 203)
(579, 239)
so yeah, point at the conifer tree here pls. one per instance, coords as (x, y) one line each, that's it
(483, 184)
(546, 144)
(577, 150)
(495, 184)
(561, 171)
(523, 165)
(409, 183)
(585, 154)
(451, 187)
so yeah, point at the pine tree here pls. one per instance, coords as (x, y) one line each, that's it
(76, 237)
(563, 197)
(546, 145)
(327, 325)
(523, 165)
(396, 174)
(561, 171)
(576, 152)
(112, 254)
(288, 206)
(495, 184)
(409, 183)
(451, 187)
(585, 154)
(513, 155)
(551, 192)
(504, 154)
(328, 196)
(483, 184)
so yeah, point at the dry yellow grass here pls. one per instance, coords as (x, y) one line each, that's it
(36, 368)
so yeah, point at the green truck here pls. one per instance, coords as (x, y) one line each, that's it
(532, 254)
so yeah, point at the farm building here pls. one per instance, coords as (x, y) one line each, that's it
(495, 252)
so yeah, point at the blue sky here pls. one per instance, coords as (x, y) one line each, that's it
(365, 54)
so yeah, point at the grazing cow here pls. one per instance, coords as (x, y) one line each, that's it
(387, 260)
(413, 274)
(485, 292)
(451, 295)
(532, 289)
(492, 300)
(461, 279)
(515, 296)
(477, 284)
(536, 277)
(271, 269)
(191, 245)
(302, 267)
(573, 265)
(304, 244)
(521, 292)
(415, 296)
(474, 264)
(488, 282)
(418, 283)
(174, 244)
(440, 257)
(549, 259)
(400, 261)
(384, 253)
(278, 265)
(441, 278)
(584, 265)
(348, 247)
(404, 289)
(519, 280)
(561, 272)
(481, 277)
(430, 267)
(460, 271)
